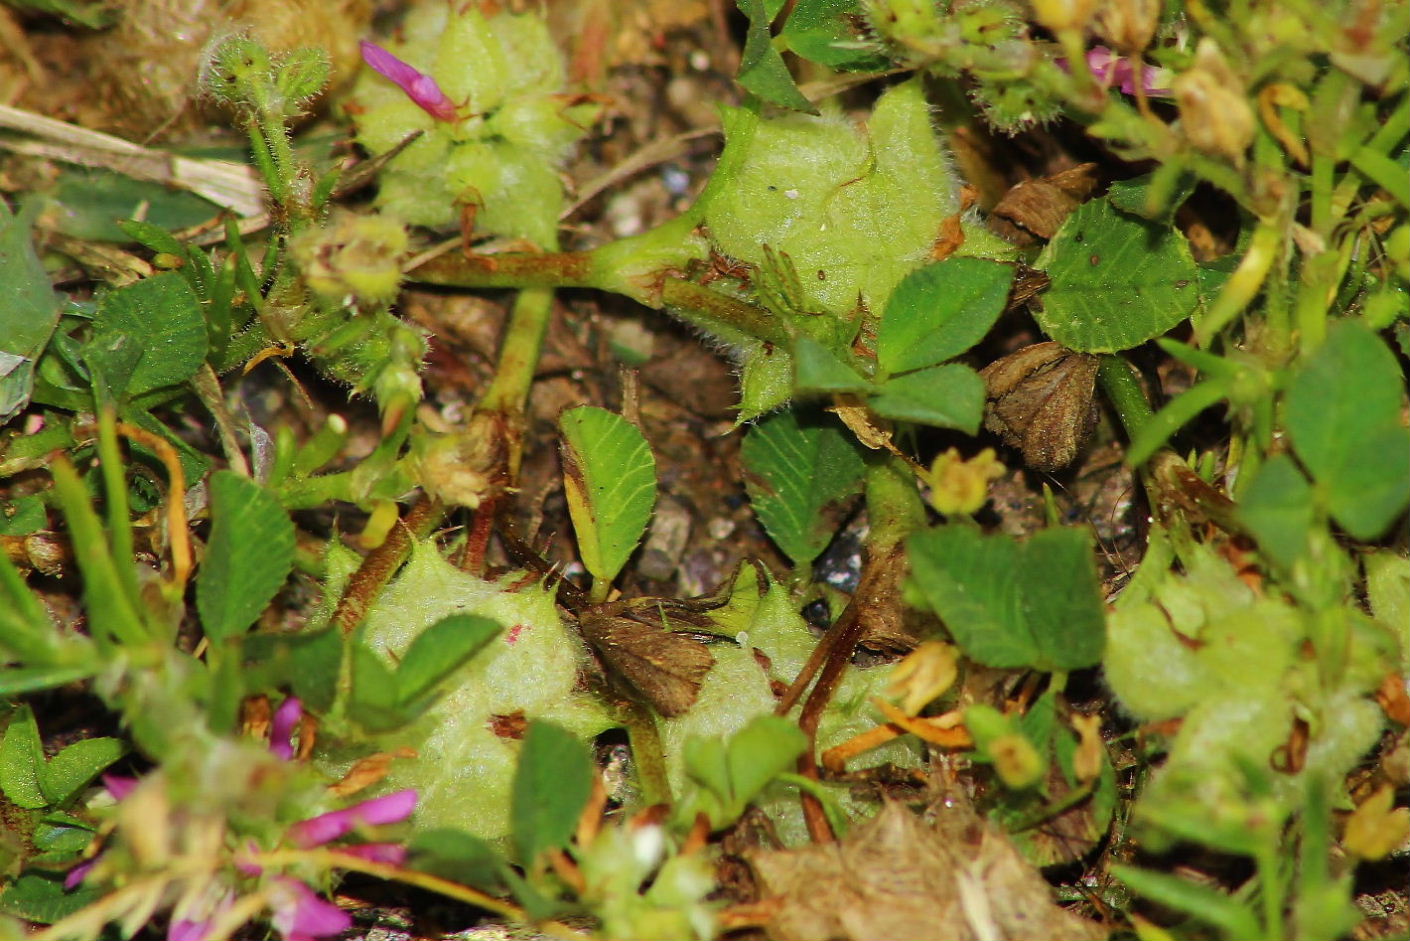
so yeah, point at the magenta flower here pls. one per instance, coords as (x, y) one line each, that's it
(300, 915)
(419, 87)
(118, 785)
(315, 831)
(78, 873)
(187, 930)
(392, 854)
(1114, 70)
(281, 730)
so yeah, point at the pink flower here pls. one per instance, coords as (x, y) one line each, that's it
(186, 930)
(78, 873)
(281, 730)
(300, 915)
(316, 831)
(419, 87)
(393, 854)
(118, 786)
(1112, 69)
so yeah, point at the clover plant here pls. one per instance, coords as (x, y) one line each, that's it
(278, 701)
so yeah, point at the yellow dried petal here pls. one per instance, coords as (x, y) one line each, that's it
(959, 486)
(924, 675)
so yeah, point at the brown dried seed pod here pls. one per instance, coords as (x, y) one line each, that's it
(1040, 400)
(663, 667)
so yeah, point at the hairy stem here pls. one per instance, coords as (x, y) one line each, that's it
(1123, 389)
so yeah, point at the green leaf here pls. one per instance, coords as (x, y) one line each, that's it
(818, 369)
(729, 774)
(375, 701)
(460, 857)
(23, 515)
(761, 68)
(113, 610)
(309, 662)
(706, 760)
(609, 476)
(439, 651)
(1150, 198)
(17, 681)
(41, 898)
(62, 840)
(94, 14)
(71, 770)
(250, 553)
(155, 237)
(759, 752)
(1206, 903)
(22, 761)
(26, 633)
(551, 788)
(1343, 415)
(1117, 281)
(798, 466)
(29, 312)
(1008, 604)
(939, 311)
(826, 32)
(948, 396)
(148, 335)
(1278, 509)
(317, 658)
(91, 204)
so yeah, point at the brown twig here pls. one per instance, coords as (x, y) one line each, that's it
(382, 563)
(178, 535)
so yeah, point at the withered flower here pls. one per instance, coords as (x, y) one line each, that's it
(1040, 400)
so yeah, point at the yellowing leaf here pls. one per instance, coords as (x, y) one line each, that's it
(609, 478)
(1374, 829)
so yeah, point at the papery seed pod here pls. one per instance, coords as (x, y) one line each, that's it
(1040, 400)
(355, 256)
(1060, 15)
(463, 468)
(663, 667)
(1128, 25)
(1215, 116)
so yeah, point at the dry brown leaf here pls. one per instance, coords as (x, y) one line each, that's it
(368, 771)
(1035, 209)
(1039, 400)
(897, 877)
(1394, 700)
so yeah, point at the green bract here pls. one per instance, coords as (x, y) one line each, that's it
(854, 208)
(463, 771)
(1235, 665)
(515, 126)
